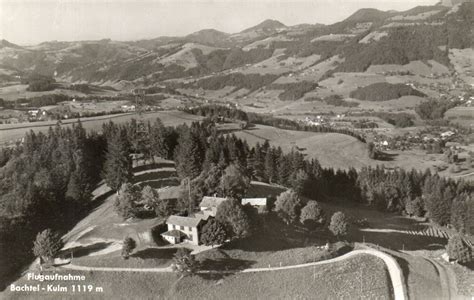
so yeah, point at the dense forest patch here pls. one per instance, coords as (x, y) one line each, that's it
(383, 91)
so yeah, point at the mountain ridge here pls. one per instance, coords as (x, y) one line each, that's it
(388, 38)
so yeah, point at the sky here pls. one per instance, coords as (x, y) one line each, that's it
(28, 22)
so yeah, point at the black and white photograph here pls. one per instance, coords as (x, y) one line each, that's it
(237, 149)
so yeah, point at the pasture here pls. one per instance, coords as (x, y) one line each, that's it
(331, 149)
(358, 277)
(461, 115)
(463, 62)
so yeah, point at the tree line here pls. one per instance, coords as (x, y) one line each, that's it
(45, 182)
(204, 156)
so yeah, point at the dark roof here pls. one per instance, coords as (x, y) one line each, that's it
(183, 221)
(211, 201)
(203, 215)
(174, 233)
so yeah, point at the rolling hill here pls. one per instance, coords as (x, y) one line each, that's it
(364, 43)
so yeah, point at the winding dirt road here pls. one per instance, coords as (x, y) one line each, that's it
(392, 266)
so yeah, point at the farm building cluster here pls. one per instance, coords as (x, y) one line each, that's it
(189, 228)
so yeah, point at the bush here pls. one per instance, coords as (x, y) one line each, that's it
(128, 245)
(184, 263)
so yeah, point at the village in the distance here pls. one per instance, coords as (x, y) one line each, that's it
(308, 161)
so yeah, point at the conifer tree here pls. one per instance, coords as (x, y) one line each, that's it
(118, 164)
(47, 245)
(233, 182)
(271, 171)
(158, 145)
(189, 155)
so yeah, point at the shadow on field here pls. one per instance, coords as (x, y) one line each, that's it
(383, 156)
(100, 199)
(273, 235)
(88, 249)
(154, 253)
(218, 260)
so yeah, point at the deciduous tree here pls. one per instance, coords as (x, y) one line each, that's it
(312, 215)
(288, 206)
(236, 223)
(213, 233)
(339, 225)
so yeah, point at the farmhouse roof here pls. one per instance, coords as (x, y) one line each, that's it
(255, 201)
(174, 233)
(211, 201)
(183, 221)
(203, 215)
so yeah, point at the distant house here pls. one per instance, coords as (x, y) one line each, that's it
(126, 108)
(447, 134)
(259, 203)
(34, 112)
(210, 204)
(183, 229)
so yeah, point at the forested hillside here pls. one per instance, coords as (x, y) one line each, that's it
(368, 37)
